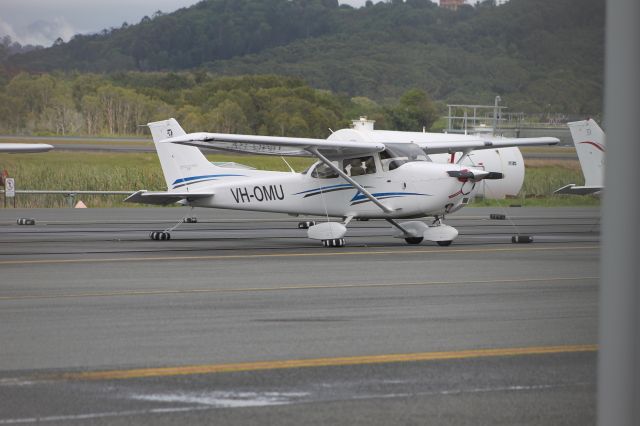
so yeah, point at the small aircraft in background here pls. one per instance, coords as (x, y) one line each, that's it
(507, 160)
(24, 148)
(391, 178)
(589, 140)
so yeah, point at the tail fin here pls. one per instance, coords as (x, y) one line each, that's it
(180, 164)
(589, 140)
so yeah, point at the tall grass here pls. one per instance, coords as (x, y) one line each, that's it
(99, 171)
(91, 171)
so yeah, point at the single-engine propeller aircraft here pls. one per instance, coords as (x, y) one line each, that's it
(352, 179)
(589, 140)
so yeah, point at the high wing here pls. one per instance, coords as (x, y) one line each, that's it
(275, 145)
(451, 146)
(164, 198)
(301, 147)
(24, 148)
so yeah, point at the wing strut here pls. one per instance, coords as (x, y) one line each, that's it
(355, 184)
(465, 154)
(400, 227)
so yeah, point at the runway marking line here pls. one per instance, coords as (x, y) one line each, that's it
(320, 362)
(286, 288)
(279, 255)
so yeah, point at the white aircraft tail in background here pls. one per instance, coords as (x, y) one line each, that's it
(589, 140)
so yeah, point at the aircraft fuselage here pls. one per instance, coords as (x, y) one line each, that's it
(412, 190)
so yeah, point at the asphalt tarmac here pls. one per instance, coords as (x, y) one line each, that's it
(240, 319)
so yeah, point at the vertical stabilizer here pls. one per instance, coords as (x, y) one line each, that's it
(181, 164)
(589, 140)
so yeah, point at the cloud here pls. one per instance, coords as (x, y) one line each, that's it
(41, 32)
(7, 30)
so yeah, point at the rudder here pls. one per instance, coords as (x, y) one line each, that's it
(180, 163)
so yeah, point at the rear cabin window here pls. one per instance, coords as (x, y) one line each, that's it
(359, 166)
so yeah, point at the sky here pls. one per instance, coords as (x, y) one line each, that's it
(41, 22)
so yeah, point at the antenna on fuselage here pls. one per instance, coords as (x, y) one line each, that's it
(289, 165)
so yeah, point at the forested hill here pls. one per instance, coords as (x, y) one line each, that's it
(189, 37)
(537, 54)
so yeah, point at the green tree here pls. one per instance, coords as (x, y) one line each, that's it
(92, 116)
(13, 113)
(414, 112)
(228, 117)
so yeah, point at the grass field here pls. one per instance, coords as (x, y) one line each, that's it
(104, 171)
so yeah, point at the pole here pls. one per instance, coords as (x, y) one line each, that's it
(619, 357)
(496, 111)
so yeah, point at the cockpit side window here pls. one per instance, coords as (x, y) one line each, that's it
(322, 171)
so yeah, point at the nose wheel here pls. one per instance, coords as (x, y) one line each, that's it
(414, 240)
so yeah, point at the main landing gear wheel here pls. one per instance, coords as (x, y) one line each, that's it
(160, 236)
(335, 242)
(414, 240)
(444, 243)
(306, 224)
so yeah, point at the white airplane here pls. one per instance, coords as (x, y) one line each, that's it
(24, 148)
(390, 180)
(589, 140)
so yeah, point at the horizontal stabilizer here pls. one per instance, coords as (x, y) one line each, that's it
(572, 189)
(164, 198)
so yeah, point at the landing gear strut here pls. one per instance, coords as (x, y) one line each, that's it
(415, 232)
(438, 222)
(166, 234)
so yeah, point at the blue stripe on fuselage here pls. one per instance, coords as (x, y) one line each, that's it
(325, 188)
(198, 179)
(360, 198)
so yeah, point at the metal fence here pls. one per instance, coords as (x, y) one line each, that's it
(70, 196)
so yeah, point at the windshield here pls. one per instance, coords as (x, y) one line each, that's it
(396, 155)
